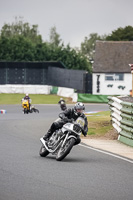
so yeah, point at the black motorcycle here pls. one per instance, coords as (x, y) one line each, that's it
(62, 140)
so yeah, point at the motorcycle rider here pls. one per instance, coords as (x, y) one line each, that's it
(62, 104)
(68, 116)
(28, 99)
(61, 100)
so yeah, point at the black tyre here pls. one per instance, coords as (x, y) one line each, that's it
(63, 152)
(43, 151)
(25, 111)
(31, 111)
(37, 110)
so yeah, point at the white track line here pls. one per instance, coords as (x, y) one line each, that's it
(111, 154)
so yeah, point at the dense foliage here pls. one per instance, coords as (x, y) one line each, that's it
(121, 34)
(21, 42)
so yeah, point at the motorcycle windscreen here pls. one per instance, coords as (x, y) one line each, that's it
(80, 121)
(25, 101)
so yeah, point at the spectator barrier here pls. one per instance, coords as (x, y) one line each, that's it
(122, 119)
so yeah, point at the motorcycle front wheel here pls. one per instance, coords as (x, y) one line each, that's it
(25, 111)
(43, 151)
(64, 151)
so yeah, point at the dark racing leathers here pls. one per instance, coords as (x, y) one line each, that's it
(67, 116)
(62, 104)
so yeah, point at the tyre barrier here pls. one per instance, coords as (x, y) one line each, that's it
(122, 119)
(3, 112)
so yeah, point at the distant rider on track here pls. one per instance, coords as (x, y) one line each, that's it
(27, 98)
(62, 104)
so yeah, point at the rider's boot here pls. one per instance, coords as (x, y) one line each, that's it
(47, 135)
(50, 131)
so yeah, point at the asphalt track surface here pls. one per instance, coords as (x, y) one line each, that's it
(83, 174)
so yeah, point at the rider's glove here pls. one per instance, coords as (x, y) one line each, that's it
(65, 119)
(70, 120)
(84, 133)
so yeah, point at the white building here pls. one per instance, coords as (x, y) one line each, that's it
(111, 71)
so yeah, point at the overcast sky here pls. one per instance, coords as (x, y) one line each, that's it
(74, 19)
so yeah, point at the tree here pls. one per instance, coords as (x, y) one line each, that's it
(121, 34)
(54, 37)
(16, 49)
(20, 28)
(88, 46)
(73, 59)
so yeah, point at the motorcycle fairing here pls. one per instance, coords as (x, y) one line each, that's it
(70, 127)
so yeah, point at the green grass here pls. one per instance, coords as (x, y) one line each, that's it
(99, 123)
(36, 99)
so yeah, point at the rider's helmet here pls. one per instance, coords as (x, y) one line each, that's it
(79, 108)
(61, 99)
(27, 95)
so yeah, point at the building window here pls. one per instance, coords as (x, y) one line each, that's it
(114, 77)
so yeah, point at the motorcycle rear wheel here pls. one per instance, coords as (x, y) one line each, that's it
(43, 151)
(36, 110)
(64, 151)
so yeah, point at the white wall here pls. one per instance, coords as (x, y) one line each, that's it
(38, 89)
(114, 90)
(31, 89)
(67, 92)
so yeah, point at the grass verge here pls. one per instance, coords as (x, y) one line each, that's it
(36, 99)
(99, 123)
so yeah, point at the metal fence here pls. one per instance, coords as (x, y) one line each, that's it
(45, 73)
(77, 79)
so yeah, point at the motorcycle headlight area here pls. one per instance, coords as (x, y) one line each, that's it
(76, 128)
